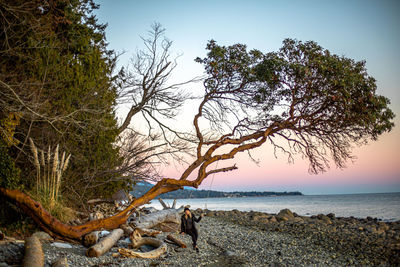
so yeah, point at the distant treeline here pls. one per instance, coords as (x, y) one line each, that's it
(142, 188)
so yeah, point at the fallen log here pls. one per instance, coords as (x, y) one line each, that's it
(34, 256)
(176, 241)
(91, 239)
(127, 229)
(105, 244)
(150, 220)
(75, 233)
(174, 204)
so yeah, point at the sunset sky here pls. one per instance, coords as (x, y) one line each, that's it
(362, 30)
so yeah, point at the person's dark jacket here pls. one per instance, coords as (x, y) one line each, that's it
(188, 224)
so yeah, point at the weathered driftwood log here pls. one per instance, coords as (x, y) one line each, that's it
(148, 232)
(34, 256)
(165, 206)
(150, 220)
(127, 229)
(174, 204)
(99, 201)
(138, 241)
(91, 239)
(61, 262)
(105, 244)
(176, 241)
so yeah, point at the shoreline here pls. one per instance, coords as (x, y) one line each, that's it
(235, 238)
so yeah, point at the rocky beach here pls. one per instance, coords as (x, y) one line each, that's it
(235, 238)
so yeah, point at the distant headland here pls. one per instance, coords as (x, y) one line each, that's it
(142, 187)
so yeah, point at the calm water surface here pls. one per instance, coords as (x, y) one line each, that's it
(383, 206)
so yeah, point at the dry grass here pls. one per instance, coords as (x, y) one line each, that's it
(49, 174)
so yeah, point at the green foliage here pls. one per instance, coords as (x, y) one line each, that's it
(10, 175)
(56, 60)
(318, 102)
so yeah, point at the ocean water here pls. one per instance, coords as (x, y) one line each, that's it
(383, 206)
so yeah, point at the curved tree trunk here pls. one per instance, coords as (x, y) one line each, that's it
(75, 233)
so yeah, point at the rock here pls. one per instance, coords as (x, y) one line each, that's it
(61, 245)
(3, 264)
(298, 220)
(331, 216)
(230, 253)
(61, 262)
(324, 218)
(211, 213)
(285, 215)
(104, 233)
(272, 219)
(96, 216)
(261, 218)
(43, 237)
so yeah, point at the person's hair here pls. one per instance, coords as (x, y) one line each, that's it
(190, 214)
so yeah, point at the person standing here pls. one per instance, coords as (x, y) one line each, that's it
(188, 226)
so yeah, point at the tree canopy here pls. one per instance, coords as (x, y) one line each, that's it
(317, 102)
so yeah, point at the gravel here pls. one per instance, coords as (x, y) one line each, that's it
(255, 239)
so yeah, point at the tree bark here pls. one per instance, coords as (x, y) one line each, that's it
(150, 220)
(105, 244)
(176, 241)
(34, 256)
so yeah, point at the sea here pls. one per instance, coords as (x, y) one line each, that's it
(384, 206)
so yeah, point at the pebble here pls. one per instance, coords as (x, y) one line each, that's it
(61, 245)
(255, 239)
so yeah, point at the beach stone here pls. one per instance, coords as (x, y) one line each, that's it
(60, 262)
(61, 245)
(261, 218)
(272, 219)
(324, 218)
(298, 220)
(211, 214)
(43, 236)
(96, 216)
(284, 215)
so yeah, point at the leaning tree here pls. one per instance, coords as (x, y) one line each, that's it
(300, 100)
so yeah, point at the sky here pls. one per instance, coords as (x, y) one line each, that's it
(362, 30)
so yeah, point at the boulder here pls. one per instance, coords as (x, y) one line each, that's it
(298, 220)
(325, 219)
(285, 215)
(272, 219)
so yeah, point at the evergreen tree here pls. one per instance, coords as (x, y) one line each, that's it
(56, 77)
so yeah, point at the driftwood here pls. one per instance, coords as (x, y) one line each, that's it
(127, 229)
(150, 220)
(174, 204)
(61, 262)
(176, 241)
(105, 244)
(165, 206)
(33, 252)
(138, 241)
(91, 239)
